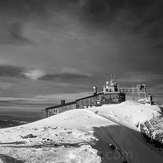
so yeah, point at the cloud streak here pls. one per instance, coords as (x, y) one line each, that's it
(11, 71)
(34, 74)
(139, 77)
(134, 17)
(66, 75)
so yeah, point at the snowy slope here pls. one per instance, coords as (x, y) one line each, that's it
(98, 134)
(128, 113)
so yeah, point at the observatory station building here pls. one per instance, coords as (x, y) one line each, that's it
(111, 94)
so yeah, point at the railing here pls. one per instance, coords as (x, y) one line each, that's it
(132, 90)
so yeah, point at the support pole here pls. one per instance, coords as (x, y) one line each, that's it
(138, 94)
(133, 92)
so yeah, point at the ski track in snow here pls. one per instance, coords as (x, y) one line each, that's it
(83, 136)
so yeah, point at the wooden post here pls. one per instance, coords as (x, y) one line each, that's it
(145, 92)
(133, 92)
(138, 94)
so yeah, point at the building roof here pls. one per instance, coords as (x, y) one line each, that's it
(94, 95)
(61, 105)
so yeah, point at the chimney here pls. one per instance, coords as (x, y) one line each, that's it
(94, 90)
(62, 102)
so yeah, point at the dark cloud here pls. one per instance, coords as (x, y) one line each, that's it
(107, 11)
(64, 76)
(13, 34)
(140, 17)
(21, 72)
(28, 9)
(135, 14)
(99, 11)
(12, 71)
(13, 16)
(158, 46)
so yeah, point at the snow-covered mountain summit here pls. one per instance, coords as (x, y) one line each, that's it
(109, 133)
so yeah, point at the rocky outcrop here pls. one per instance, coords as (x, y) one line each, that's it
(152, 130)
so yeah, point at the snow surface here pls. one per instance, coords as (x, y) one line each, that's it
(106, 134)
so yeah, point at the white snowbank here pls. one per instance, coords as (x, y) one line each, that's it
(83, 136)
(128, 113)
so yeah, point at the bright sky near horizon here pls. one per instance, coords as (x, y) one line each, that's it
(50, 47)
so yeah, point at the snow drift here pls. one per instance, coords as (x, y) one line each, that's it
(109, 133)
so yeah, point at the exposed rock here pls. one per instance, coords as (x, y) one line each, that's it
(112, 147)
(152, 130)
(29, 136)
(9, 159)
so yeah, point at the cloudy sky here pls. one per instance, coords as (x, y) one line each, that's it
(54, 47)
